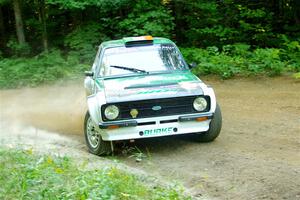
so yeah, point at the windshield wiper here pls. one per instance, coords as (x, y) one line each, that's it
(130, 69)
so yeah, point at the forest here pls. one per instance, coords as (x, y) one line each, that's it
(45, 40)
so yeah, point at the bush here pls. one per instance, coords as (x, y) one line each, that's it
(291, 53)
(43, 68)
(148, 18)
(211, 61)
(237, 59)
(17, 49)
(266, 61)
(84, 40)
(231, 60)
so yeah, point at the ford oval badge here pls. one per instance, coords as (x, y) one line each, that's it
(156, 108)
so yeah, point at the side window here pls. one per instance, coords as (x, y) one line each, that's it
(102, 71)
(96, 61)
(102, 65)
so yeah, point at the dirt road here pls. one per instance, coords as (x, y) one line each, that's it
(257, 155)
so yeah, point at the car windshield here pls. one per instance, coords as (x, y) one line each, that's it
(141, 59)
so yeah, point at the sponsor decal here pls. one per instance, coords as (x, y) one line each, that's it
(159, 91)
(159, 79)
(158, 131)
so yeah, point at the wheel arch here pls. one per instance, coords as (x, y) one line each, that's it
(209, 91)
(94, 103)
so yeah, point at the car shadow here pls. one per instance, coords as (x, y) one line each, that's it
(155, 145)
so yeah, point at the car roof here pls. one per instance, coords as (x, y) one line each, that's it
(121, 42)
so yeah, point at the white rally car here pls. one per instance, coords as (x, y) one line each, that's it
(141, 87)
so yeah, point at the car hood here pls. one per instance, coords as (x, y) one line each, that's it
(151, 86)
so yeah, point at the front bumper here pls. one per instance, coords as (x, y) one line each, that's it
(155, 127)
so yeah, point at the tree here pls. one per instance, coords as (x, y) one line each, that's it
(19, 22)
(2, 29)
(42, 18)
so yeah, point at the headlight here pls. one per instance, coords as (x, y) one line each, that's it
(200, 104)
(111, 112)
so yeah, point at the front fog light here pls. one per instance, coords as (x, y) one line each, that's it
(200, 104)
(111, 112)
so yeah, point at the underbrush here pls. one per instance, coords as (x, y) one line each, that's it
(43, 68)
(229, 61)
(239, 59)
(24, 175)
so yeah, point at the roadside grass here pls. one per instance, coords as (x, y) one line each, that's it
(25, 175)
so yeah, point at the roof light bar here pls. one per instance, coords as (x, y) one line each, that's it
(138, 41)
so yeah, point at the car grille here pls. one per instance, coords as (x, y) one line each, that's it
(169, 106)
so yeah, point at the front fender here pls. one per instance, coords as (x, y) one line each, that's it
(89, 86)
(94, 103)
(207, 90)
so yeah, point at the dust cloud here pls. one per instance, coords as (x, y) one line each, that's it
(58, 108)
(47, 118)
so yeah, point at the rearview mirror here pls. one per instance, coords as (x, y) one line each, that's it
(89, 73)
(192, 65)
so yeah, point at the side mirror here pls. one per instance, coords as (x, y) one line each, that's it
(89, 73)
(192, 65)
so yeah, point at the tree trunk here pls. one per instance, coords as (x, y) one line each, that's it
(179, 23)
(43, 22)
(19, 22)
(296, 10)
(2, 30)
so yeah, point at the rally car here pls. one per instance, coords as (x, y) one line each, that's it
(141, 87)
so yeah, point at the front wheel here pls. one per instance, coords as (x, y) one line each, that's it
(214, 128)
(93, 138)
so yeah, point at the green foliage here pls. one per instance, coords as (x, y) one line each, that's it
(266, 60)
(217, 23)
(225, 37)
(236, 49)
(297, 75)
(239, 60)
(291, 53)
(69, 4)
(75, 4)
(27, 176)
(201, 23)
(18, 49)
(255, 25)
(228, 61)
(192, 23)
(3, 2)
(84, 40)
(44, 68)
(148, 18)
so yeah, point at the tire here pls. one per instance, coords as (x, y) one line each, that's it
(94, 140)
(214, 128)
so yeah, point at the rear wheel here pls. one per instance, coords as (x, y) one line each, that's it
(214, 128)
(93, 138)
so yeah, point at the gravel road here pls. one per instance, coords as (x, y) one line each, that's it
(257, 155)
